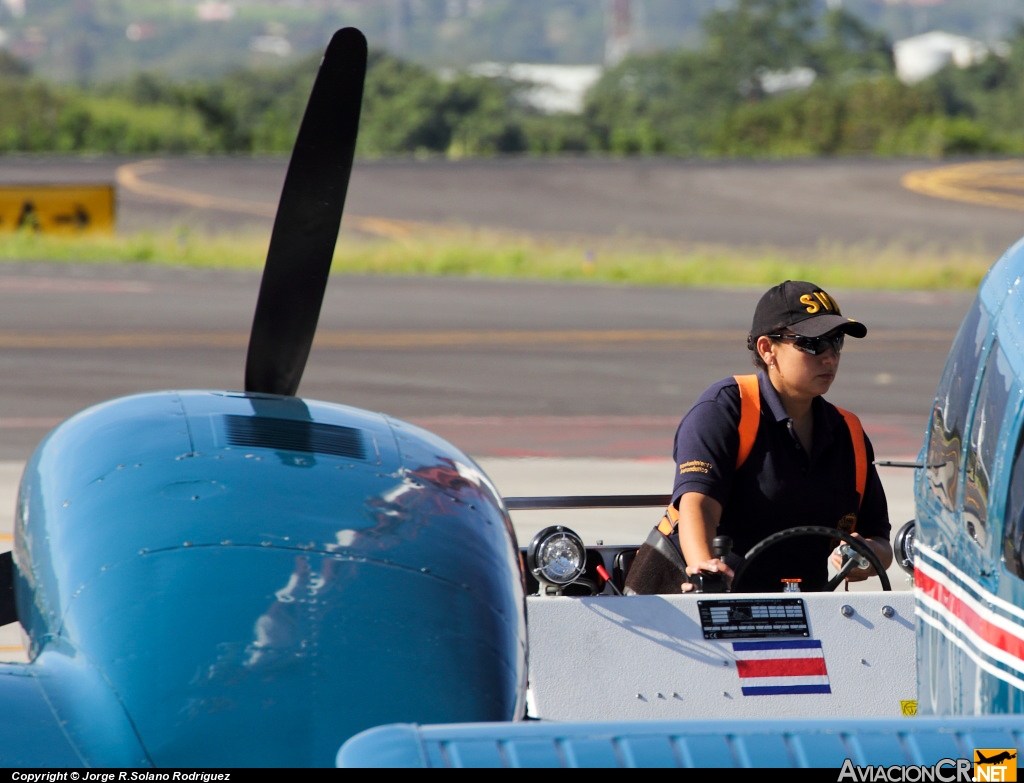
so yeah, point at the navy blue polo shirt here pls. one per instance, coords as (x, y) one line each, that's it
(779, 485)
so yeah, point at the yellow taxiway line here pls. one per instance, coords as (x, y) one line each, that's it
(992, 183)
(989, 183)
(131, 177)
(398, 340)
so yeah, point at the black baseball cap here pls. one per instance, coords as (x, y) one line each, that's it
(804, 309)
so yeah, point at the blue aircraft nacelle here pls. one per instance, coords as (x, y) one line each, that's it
(232, 579)
(969, 552)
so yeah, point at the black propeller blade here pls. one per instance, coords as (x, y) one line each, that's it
(8, 607)
(308, 218)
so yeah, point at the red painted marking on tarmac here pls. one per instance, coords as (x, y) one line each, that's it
(72, 285)
(620, 437)
(19, 423)
(625, 437)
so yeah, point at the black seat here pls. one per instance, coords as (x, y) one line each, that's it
(621, 566)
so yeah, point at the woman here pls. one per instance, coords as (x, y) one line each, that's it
(759, 454)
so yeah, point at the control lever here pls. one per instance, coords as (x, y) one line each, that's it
(849, 553)
(713, 582)
(603, 573)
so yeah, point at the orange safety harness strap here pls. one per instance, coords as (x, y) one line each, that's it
(750, 415)
(669, 520)
(750, 419)
(860, 454)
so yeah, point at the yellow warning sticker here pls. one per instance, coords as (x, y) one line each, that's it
(908, 707)
(57, 209)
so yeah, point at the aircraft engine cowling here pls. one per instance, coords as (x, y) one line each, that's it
(258, 578)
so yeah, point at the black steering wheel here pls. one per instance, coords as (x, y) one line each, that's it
(858, 545)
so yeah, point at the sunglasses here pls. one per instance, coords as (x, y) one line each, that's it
(813, 345)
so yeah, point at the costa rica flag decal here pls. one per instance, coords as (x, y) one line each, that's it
(774, 668)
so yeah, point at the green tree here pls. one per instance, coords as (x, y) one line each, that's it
(849, 47)
(756, 34)
(681, 103)
(481, 117)
(31, 114)
(990, 92)
(406, 108)
(399, 112)
(665, 103)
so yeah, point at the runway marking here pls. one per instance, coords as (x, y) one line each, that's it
(73, 285)
(82, 340)
(25, 422)
(989, 183)
(130, 176)
(384, 340)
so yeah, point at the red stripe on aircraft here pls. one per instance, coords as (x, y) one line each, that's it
(781, 667)
(987, 631)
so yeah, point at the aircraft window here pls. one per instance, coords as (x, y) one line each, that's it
(988, 418)
(949, 418)
(1013, 545)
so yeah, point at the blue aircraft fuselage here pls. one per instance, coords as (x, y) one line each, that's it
(969, 570)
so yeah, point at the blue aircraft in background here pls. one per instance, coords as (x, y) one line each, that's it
(247, 578)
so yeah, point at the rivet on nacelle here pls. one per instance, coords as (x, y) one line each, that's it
(888, 611)
(847, 610)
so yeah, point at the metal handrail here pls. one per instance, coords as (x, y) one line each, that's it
(586, 501)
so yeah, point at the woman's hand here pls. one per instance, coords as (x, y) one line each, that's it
(698, 520)
(881, 549)
(712, 566)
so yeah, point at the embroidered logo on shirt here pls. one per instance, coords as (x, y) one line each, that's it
(695, 466)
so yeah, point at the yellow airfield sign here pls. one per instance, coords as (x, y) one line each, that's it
(57, 209)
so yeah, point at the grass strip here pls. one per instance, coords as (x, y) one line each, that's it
(489, 254)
